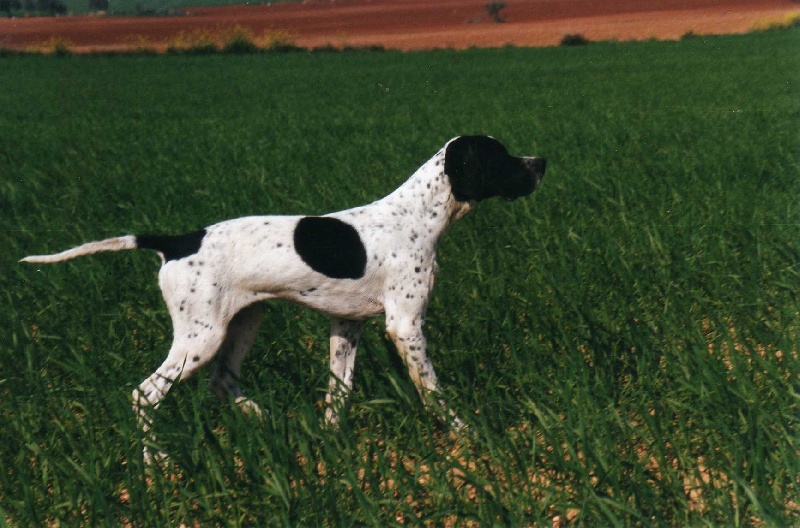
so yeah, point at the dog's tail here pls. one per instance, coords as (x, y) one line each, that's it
(110, 244)
(169, 247)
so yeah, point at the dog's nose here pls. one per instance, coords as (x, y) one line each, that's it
(539, 165)
(536, 168)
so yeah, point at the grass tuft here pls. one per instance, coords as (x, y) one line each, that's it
(788, 21)
(55, 46)
(236, 40)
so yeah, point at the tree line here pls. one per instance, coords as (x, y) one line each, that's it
(44, 7)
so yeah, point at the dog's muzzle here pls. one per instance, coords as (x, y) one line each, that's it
(526, 179)
(536, 166)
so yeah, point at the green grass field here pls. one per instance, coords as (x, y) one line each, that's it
(624, 342)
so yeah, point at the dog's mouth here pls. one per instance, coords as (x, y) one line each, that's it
(524, 181)
(522, 189)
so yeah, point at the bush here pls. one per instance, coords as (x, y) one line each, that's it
(54, 46)
(239, 41)
(574, 40)
(61, 49)
(197, 49)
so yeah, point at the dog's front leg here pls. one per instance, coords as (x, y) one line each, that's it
(344, 341)
(404, 326)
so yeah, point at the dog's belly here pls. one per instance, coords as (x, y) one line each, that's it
(339, 300)
(346, 306)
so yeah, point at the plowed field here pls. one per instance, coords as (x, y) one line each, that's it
(411, 24)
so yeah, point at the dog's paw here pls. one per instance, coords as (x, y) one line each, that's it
(331, 418)
(153, 459)
(249, 407)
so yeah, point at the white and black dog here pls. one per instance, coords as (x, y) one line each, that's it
(351, 265)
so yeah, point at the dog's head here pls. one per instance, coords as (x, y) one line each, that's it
(480, 167)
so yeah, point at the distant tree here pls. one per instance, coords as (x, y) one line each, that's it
(98, 5)
(51, 7)
(494, 8)
(8, 5)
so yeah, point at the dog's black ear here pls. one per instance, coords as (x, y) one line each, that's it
(472, 163)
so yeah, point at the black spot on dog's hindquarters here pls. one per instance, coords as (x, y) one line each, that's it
(173, 247)
(331, 247)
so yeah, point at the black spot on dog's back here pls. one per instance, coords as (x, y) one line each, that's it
(173, 247)
(331, 247)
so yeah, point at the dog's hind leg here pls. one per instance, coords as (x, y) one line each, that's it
(195, 344)
(241, 335)
(344, 340)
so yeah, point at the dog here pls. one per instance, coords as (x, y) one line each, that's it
(351, 265)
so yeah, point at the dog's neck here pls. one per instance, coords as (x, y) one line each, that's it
(427, 198)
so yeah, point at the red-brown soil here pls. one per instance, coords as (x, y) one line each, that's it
(409, 24)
